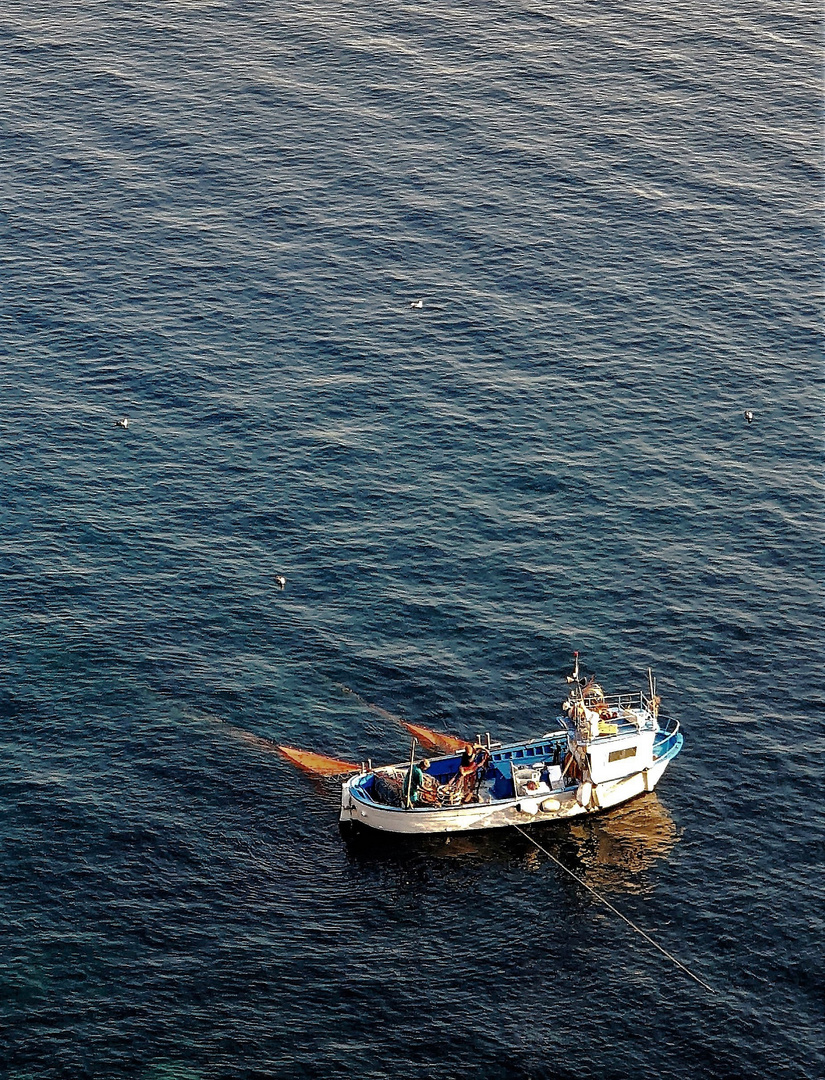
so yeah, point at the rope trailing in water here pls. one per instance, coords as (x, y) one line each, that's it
(616, 911)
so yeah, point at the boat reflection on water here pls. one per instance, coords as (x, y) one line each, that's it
(615, 849)
(609, 852)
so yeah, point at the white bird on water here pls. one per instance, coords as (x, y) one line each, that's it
(124, 423)
(280, 580)
(749, 416)
(417, 303)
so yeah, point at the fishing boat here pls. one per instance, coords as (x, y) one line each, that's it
(604, 750)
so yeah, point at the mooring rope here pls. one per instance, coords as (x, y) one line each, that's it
(616, 911)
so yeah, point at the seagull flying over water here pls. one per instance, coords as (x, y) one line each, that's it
(124, 423)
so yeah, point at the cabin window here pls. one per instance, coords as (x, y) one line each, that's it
(508, 755)
(519, 753)
(617, 755)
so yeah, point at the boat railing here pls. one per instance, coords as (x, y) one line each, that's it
(635, 700)
(667, 736)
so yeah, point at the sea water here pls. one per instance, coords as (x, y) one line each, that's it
(216, 218)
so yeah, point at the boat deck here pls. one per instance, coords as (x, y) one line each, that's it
(531, 768)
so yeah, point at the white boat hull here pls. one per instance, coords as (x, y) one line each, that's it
(560, 805)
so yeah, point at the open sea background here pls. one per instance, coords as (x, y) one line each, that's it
(215, 217)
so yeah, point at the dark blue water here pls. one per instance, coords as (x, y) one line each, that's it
(214, 219)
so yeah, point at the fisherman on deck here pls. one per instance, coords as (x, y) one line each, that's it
(463, 787)
(423, 787)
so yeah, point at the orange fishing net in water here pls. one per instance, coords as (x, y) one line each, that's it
(318, 764)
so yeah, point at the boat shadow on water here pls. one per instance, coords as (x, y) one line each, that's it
(608, 851)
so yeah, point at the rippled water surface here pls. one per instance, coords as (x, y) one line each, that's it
(215, 217)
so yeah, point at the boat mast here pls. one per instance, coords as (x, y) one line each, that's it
(654, 701)
(409, 775)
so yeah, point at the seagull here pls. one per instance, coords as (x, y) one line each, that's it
(280, 580)
(417, 303)
(124, 423)
(749, 416)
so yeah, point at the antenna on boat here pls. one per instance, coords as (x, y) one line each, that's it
(576, 667)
